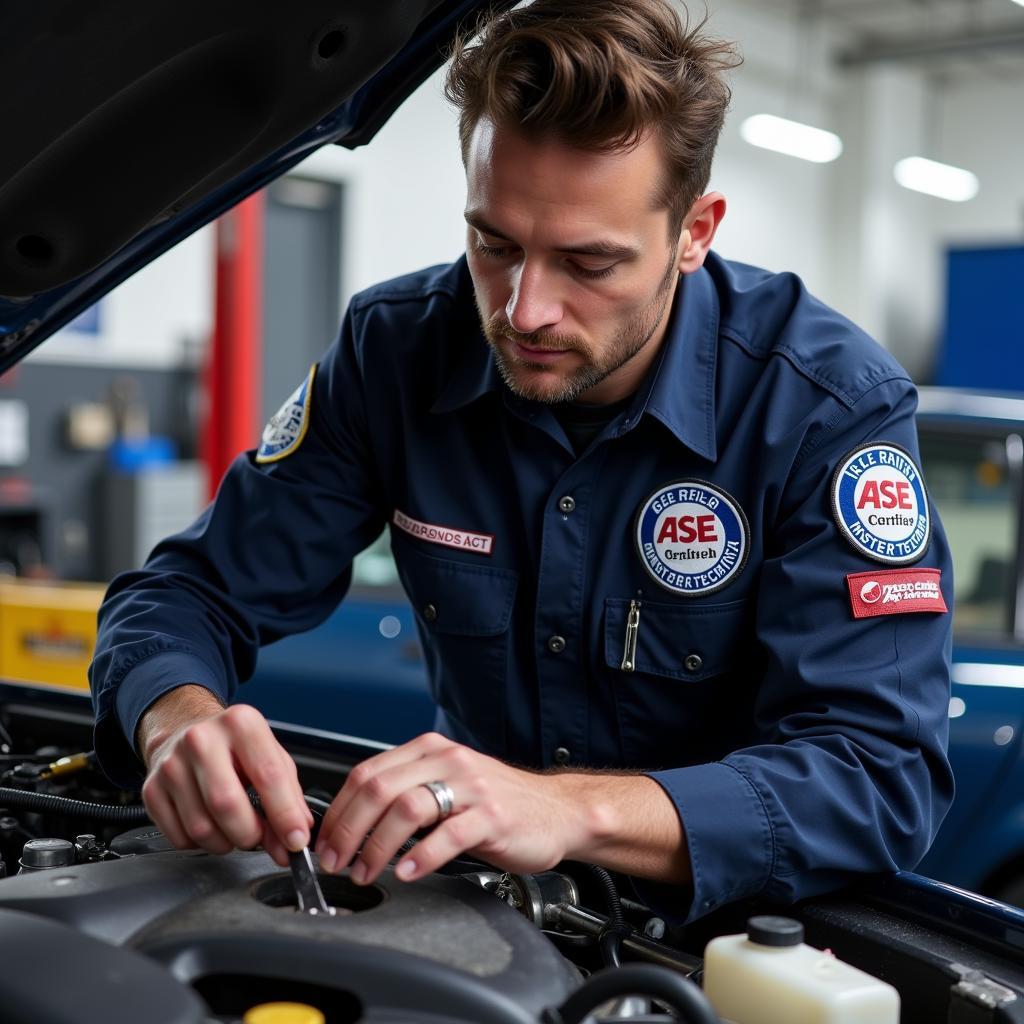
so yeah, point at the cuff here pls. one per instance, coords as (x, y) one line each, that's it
(730, 840)
(153, 678)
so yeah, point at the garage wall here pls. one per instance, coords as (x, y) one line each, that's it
(157, 320)
(866, 246)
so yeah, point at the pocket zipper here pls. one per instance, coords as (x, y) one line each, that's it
(632, 628)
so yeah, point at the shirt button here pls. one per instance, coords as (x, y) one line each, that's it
(566, 504)
(429, 612)
(562, 755)
(693, 663)
(556, 644)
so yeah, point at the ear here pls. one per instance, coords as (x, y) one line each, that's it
(698, 231)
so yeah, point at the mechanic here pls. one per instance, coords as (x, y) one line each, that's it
(682, 595)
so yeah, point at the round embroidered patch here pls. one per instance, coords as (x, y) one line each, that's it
(880, 504)
(287, 427)
(692, 537)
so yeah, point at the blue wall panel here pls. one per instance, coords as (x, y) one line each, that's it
(983, 345)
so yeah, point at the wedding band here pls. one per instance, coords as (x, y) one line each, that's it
(443, 795)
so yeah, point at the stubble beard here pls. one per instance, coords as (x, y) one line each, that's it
(635, 334)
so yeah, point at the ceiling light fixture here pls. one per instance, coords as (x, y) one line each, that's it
(791, 138)
(935, 179)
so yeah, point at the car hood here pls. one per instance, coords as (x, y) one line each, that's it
(127, 127)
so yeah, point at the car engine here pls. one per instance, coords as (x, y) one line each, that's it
(138, 931)
(102, 921)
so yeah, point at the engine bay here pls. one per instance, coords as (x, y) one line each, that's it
(129, 929)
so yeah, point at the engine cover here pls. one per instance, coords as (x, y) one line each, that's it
(227, 928)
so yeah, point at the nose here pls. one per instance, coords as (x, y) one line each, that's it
(533, 304)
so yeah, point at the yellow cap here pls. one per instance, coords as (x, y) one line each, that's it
(283, 1013)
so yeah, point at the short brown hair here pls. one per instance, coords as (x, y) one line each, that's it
(601, 75)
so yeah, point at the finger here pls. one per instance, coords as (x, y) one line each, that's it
(457, 834)
(277, 851)
(271, 772)
(414, 809)
(406, 753)
(221, 789)
(372, 799)
(161, 810)
(177, 781)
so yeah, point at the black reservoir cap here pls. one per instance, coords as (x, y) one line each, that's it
(775, 931)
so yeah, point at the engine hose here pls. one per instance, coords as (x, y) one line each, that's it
(50, 803)
(647, 980)
(609, 942)
(121, 814)
(615, 916)
(569, 940)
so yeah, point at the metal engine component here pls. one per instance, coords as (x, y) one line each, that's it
(533, 895)
(46, 854)
(551, 901)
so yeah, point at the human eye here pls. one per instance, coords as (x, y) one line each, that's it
(592, 273)
(493, 251)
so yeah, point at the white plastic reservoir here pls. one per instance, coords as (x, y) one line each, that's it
(769, 976)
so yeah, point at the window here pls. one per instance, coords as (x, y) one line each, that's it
(972, 486)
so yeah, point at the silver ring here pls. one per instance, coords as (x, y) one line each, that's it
(443, 795)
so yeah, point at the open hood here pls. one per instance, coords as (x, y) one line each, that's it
(128, 127)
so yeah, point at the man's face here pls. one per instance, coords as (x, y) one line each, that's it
(571, 262)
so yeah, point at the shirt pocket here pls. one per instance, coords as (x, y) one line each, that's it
(689, 698)
(463, 613)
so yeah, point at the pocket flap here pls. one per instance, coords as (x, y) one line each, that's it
(689, 643)
(456, 598)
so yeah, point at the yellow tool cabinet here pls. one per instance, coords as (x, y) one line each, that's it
(48, 631)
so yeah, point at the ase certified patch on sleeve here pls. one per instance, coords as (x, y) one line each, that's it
(288, 426)
(895, 592)
(880, 505)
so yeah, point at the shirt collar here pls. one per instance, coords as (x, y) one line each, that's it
(475, 372)
(680, 393)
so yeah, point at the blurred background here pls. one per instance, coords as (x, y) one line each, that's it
(893, 185)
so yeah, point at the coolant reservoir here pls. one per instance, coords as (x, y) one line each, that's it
(769, 976)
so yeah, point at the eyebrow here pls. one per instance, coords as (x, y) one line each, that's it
(596, 248)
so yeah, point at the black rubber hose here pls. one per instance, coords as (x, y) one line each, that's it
(615, 916)
(609, 942)
(50, 803)
(121, 814)
(648, 980)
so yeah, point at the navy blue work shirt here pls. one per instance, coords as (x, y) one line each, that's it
(569, 607)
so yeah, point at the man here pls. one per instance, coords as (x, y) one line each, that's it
(659, 515)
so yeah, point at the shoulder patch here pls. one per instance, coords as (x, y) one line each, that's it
(880, 504)
(692, 537)
(287, 427)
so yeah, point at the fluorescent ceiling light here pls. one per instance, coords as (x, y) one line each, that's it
(791, 138)
(935, 179)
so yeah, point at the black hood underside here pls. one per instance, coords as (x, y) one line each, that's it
(126, 127)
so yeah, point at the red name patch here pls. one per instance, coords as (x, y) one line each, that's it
(895, 592)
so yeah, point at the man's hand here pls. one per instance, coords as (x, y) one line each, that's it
(200, 759)
(521, 821)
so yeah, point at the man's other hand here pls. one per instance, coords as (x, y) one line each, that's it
(200, 757)
(516, 820)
